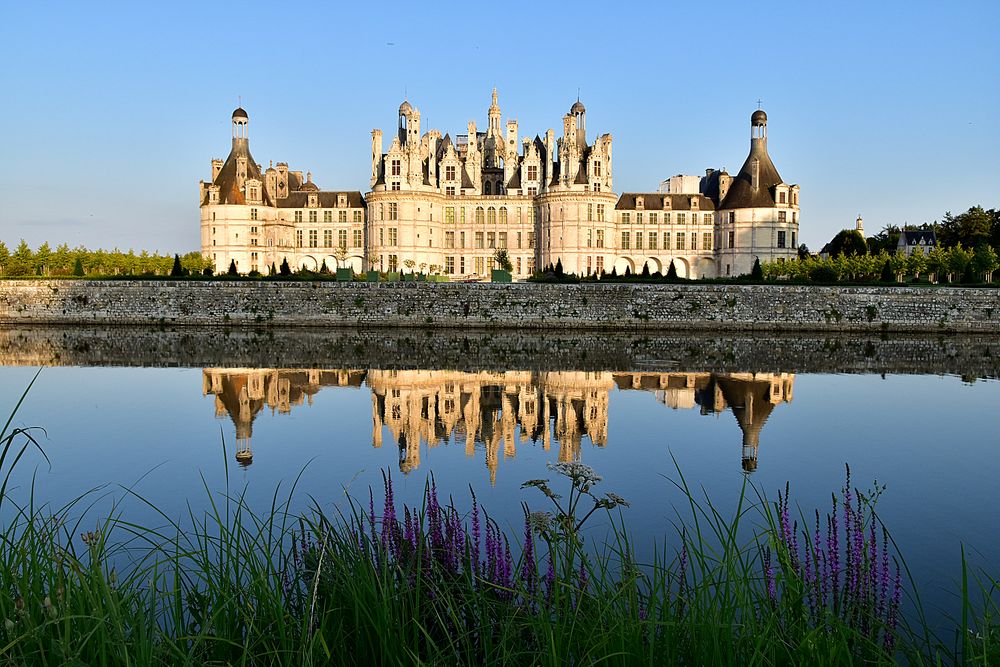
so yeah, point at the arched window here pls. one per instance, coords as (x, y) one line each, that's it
(491, 216)
(503, 215)
(487, 188)
(479, 215)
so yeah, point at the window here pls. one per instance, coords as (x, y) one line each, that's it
(653, 241)
(395, 168)
(600, 238)
(681, 241)
(503, 215)
(781, 239)
(327, 238)
(531, 240)
(253, 214)
(298, 238)
(652, 218)
(491, 216)
(357, 216)
(342, 238)
(600, 212)
(313, 238)
(381, 236)
(666, 218)
(732, 239)
(531, 215)
(638, 240)
(393, 211)
(590, 238)
(706, 240)
(793, 240)
(502, 239)
(600, 264)
(449, 263)
(356, 238)
(782, 217)
(532, 192)
(298, 216)
(341, 216)
(781, 197)
(626, 218)
(707, 218)
(794, 216)
(461, 239)
(479, 240)
(393, 236)
(395, 185)
(638, 218)
(681, 218)
(461, 264)
(626, 237)
(732, 217)
(519, 240)
(480, 215)
(519, 265)
(313, 216)
(450, 191)
(531, 265)
(590, 214)
(487, 188)
(449, 173)
(694, 241)
(666, 240)
(491, 240)
(449, 215)
(449, 239)
(597, 187)
(327, 216)
(480, 266)
(589, 267)
(532, 172)
(597, 168)
(393, 262)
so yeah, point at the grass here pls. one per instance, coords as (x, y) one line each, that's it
(435, 584)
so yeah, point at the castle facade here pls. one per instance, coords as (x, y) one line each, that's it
(444, 204)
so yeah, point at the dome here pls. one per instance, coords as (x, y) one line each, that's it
(240, 113)
(758, 117)
(308, 186)
(405, 108)
(577, 108)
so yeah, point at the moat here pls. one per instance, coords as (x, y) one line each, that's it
(167, 411)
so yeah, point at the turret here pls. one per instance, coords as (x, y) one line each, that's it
(241, 128)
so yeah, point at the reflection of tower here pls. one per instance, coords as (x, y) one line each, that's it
(752, 397)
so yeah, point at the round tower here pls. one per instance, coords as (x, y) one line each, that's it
(579, 112)
(758, 125)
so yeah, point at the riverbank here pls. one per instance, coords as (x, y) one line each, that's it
(692, 307)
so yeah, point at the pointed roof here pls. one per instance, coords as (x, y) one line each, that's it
(741, 193)
(227, 181)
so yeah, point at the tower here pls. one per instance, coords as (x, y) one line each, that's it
(494, 117)
(860, 226)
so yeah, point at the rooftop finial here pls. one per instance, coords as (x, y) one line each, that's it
(758, 102)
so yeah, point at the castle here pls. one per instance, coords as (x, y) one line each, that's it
(444, 204)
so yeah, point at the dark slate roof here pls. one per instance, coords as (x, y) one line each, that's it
(917, 237)
(326, 200)
(741, 193)
(515, 180)
(653, 201)
(229, 193)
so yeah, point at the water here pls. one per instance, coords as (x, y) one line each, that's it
(172, 415)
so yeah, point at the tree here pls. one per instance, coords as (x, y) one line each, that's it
(887, 274)
(985, 262)
(886, 240)
(21, 261)
(4, 257)
(804, 251)
(645, 270)
(899, 265)
(756, 273)
(614, 271)
(937, 262)
(42, 256)
(848, 242)
(232, 268)
(971, 228)
(958, 259)
(271, 271)
(340, 254)
(916, 263)
(672, 271)
(324, 269)
(502, 260)
(177, 270)
(78, 267)
(285, 270)
(559, 268)
(409, 263)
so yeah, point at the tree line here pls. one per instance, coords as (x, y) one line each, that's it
(80, 261)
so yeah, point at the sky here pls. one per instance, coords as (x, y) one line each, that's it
(110, 114)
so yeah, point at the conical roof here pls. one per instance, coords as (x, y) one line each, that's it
(741, 192)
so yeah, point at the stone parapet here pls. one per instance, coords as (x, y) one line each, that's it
(610, 307)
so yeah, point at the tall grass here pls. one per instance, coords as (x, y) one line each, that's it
(387, 584)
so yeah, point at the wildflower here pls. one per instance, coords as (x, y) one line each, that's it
(582, 475)
(540, 522)
(90, 537)
(616, 499)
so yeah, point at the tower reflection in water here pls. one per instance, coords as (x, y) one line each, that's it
(495, 411)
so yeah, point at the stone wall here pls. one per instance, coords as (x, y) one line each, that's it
(519, 306)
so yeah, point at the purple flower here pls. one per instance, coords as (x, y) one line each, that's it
(772, 593)
(475, 532)
(550, 579)
(528, 566)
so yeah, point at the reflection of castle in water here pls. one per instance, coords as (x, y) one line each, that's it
(497, 411)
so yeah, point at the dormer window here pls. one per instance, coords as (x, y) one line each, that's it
(639, 203)
(666, 203)
(341, 200)
(694, 203)
(781, 197)
(313, 201)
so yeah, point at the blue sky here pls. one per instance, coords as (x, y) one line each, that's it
(111, 114)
